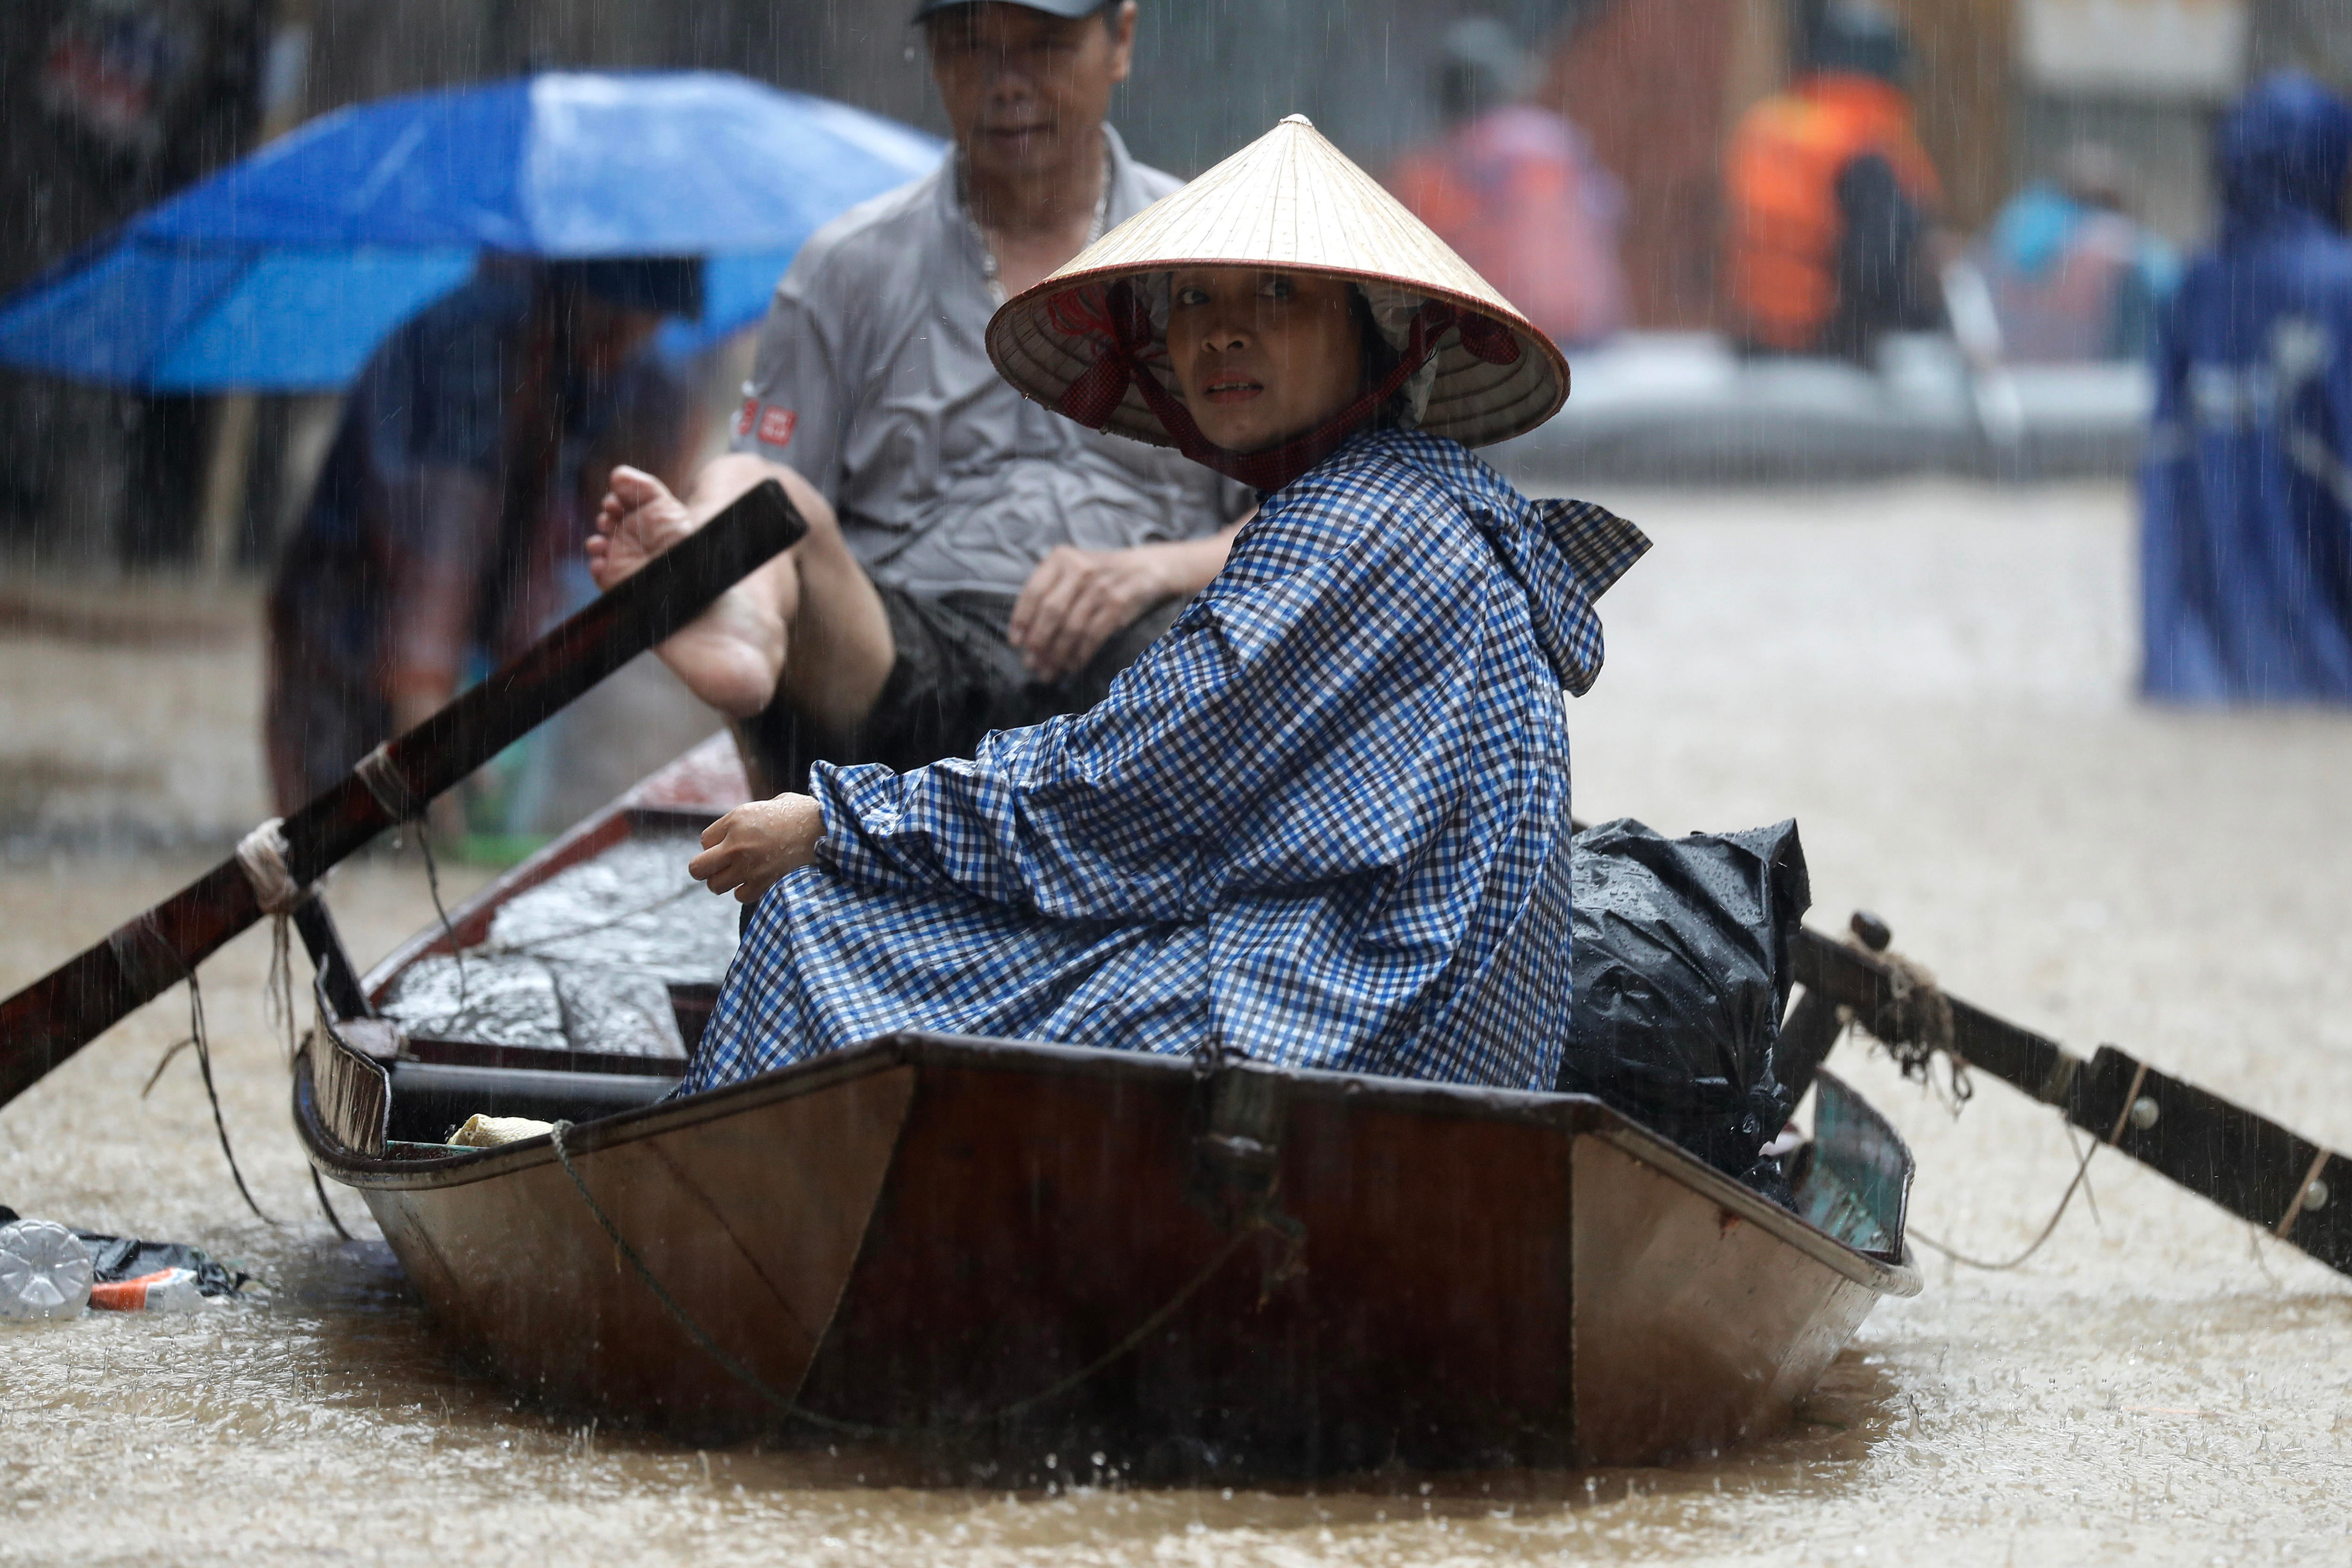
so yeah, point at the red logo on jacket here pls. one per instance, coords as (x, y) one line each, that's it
(776, 426)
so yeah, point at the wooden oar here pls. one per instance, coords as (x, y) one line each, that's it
(2249, 1164)
(57, 1014)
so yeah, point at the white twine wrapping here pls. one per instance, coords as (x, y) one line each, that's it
(262, 855)
(384, 782)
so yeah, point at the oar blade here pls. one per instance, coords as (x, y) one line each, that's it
(2257, 1170)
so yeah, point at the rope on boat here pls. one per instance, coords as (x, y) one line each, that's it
(793, 1410)
(533, 948)
(383, 781)
(152, 948)
(326, 1208)
(2081, 1170)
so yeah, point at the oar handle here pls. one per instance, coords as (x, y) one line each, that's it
(57, 1014)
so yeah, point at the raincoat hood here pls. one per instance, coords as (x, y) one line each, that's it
(2283, 153)
(1547, 553)
(1564, 554)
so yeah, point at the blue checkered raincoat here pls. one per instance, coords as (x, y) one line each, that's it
(1323, 820)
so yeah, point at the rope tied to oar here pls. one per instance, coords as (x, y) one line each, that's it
(1915, 1025)
(2082, 1173)
(261, 855)
(1917, 1020)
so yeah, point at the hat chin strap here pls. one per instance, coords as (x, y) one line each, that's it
(1122, 324)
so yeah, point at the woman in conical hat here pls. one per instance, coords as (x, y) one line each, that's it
(1324, 820)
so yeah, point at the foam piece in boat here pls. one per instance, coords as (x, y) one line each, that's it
(489, 1132)
(633, 905)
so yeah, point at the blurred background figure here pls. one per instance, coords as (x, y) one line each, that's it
(2072, 274)
(447, 527)
(1831, 199)
(2246, 552)
(1515, 189)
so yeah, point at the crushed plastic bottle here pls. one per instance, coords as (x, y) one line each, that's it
(45, 1270)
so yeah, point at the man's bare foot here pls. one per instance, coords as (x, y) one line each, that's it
(638, 520)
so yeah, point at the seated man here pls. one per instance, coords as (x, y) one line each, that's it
(1325, 819)
(972, 563)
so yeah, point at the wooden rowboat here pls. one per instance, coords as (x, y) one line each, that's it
(990, 1250)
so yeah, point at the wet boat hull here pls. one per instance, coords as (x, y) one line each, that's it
(925, 1233)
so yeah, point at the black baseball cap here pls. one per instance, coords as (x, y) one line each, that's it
(1069, 9)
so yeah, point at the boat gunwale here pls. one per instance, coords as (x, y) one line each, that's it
(1566, 1113)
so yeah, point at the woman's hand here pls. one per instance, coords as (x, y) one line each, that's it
(749, 850)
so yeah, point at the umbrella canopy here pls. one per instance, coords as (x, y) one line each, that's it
(283, 271)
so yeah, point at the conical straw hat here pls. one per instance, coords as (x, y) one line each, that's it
(1288, 200)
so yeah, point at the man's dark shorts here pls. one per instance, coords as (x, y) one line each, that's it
(955, 679)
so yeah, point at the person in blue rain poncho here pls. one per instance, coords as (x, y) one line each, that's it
(2246, 558)
(1323, 820)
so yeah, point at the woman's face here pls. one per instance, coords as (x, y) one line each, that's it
(1262, 356)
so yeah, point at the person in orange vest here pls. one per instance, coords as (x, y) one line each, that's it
(1831, 198)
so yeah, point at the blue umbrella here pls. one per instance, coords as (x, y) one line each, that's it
(283, 272)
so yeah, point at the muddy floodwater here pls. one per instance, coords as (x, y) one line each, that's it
(1933, 680)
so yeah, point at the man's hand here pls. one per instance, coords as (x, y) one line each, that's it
(1076, 599)
(749, 850)
(639, 518)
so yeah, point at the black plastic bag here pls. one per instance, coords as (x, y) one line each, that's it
(1681, 960)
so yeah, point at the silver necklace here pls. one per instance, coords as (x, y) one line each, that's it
(989, 265)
